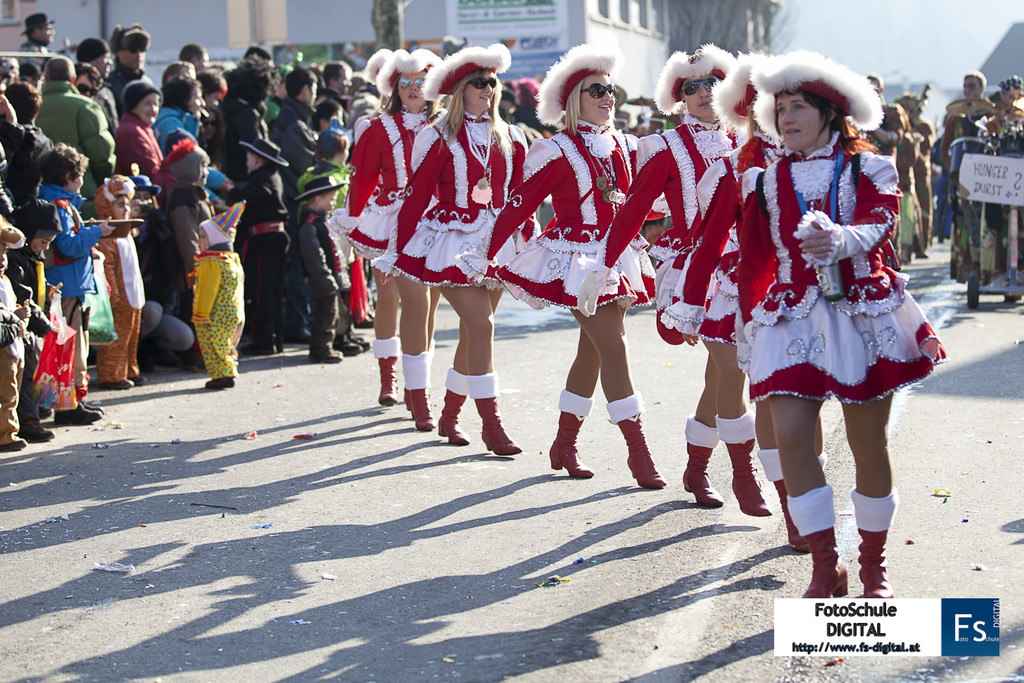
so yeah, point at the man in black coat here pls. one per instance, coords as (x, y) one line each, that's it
(242, 109)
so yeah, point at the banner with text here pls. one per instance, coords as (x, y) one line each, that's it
(999, 180)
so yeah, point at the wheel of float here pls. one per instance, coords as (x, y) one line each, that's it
(973, 290)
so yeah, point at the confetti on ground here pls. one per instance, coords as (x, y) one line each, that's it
(175, 440)
(262, 526)
(578, 560)
(114, 567)
(328, 577)
(942, 493)
(449, 660)
(116, 425)
(965, 520)
(306, 437)
(299, 621)
(979, 568)
(555, 580)
(101, 445)
(249, 435)
(909, 542)
(278, 385)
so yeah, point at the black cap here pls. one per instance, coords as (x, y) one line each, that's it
(135, 92)
(266, 149)
(34, 21)
(324, 183)
(36, 218)
(91, 48)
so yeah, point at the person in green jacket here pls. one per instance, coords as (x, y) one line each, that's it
(69, 117)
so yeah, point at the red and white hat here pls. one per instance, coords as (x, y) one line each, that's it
(802, 70)
(374, 65)
(575, 65)
(732, 97)
(402, 62)
(709, 60)
(443, 78)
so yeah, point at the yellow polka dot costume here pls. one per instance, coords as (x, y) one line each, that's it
(218, 310)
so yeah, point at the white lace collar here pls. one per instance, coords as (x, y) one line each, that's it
(691, 120)
(414, 121)
(711, 140)
(598, 139)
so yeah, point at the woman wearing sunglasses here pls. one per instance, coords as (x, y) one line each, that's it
(586, 168)
(675, 163)
(382, 161)
(468, 159)
(825, 316)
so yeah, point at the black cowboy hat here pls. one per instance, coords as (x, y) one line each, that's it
(266, 149)
(324, 183)
(34, 21)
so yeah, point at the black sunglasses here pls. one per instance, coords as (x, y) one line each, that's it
(597, 91)
(691, 87)
(480, 83)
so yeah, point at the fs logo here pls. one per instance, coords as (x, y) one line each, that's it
(970, 627)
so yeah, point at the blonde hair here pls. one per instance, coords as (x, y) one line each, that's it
(572, 109)
(449, 123)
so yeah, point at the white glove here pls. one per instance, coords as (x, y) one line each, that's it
(474, 263)
(815, 221)
(586, 298)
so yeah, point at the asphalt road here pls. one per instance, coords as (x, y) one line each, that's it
(375, 552)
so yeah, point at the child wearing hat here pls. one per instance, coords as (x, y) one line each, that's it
(12, 353)
(38, 221)
(326, 277)
(117, 363)
(218, 311)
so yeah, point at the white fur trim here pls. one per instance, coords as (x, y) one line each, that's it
(580, 406)
(626, 408)
(482, 386)
(737, 430)
(495, 57)
(579, 58)
(374, 65)
(771, 463)
(416, 370)
(699, 434)
(402, 62)
(683, 66)
(789, 72)
(456, 382)
(874, 514)
(813, 511)
(387, 348)
(733, 90)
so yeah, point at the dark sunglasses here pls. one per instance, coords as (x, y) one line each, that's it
(691, 87)
(480, 83)
(597, 91)
(406, 83)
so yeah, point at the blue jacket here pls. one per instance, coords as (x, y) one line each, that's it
(170, 119)
(72, 247)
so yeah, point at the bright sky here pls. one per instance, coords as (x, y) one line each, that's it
(906, 41)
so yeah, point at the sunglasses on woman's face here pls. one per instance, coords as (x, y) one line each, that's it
(597, 91)
(406, 83)
(480, 83)
(691, 87)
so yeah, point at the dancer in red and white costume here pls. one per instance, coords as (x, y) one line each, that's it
(674, 163)
(586, 168)
(369, 219)
(470, 159)
(825, 316)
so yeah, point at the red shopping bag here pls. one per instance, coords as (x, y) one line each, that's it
(55, 376)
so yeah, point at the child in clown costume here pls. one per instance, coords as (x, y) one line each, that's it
(218, 311)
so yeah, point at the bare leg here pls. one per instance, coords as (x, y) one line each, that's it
(730, 380)
(766, 428)
(608, 336)
(435, 299)
(707, 404)
(476, 320)
(415, 314)
(795, 422)
(586, 368)
(866, 431)
(385, 319)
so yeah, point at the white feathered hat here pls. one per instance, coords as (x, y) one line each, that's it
(443, 78)
(375, 63)
(709, 60)
(575, 65)
(732, 97)
(402, 62)
(814, 73)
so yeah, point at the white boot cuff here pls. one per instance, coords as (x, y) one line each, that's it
(580, 406)
(482, 386)
(874, 514)
(456, 382)
(625, 408)
(771, 463)
(387, 348)
(736, 430)
(699, 434)
(415, 369)
(813, 511)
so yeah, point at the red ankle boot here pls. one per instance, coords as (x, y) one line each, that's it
(448, 425)
(419, 405)
(796, 541)
(388, 381)
(639, 461)
(873, 565)
(829, 578)
(695, 477)
(563, 451)
(494, 437)
(744, 480)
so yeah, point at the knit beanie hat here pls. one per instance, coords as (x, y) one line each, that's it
(185, 161)
(91, 48)
(135, 92)
(115, 186)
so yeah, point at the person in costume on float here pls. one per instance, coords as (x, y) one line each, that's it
(470, 159)
(673, 163)
(586, 168)
(824, 316)
(382, 168)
